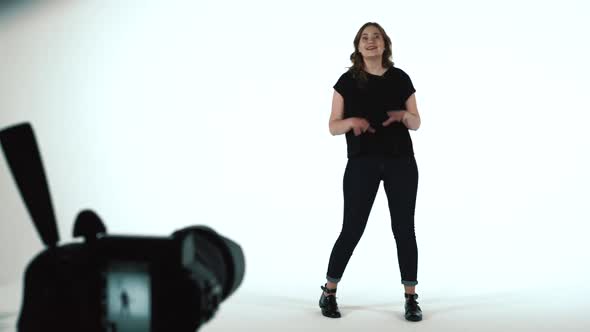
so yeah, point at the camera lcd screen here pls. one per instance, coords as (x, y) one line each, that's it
(128, 297)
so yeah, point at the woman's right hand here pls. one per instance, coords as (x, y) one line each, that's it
(360, 126)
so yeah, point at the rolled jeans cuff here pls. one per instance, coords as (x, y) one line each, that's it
(409, 283)
(334, 280)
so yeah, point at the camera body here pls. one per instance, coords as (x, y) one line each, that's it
(82, 286)
(117, 283)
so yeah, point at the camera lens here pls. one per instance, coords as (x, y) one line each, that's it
(222, 257)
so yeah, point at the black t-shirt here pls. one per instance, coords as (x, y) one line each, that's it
(371, 100)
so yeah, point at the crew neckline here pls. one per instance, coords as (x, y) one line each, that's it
(382, 75)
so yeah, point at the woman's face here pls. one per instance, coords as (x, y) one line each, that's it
(371, 43)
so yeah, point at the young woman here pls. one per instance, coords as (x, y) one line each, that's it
(374, 106)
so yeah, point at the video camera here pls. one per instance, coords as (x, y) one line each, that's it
(115, 283)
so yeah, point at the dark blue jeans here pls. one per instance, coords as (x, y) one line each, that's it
(361, 181)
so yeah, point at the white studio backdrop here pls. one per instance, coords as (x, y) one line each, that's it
(158, 115)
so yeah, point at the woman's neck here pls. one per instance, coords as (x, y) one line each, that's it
(374, 66)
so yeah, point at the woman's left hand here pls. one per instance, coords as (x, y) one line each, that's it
(394, 116)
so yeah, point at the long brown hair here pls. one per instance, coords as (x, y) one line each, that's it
(358, 65)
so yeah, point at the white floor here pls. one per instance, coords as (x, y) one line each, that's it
(249, 310)
(500, 312)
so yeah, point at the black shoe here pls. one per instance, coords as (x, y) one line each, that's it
(413, 311)
(328, 303)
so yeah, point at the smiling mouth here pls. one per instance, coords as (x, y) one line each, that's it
(371, 48)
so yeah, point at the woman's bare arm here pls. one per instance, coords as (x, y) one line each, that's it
(411, 117)
(339, 126)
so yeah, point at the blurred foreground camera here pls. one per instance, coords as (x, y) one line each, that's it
(115, 283)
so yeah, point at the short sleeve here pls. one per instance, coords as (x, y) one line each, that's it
(342, 86)
(406, 85)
